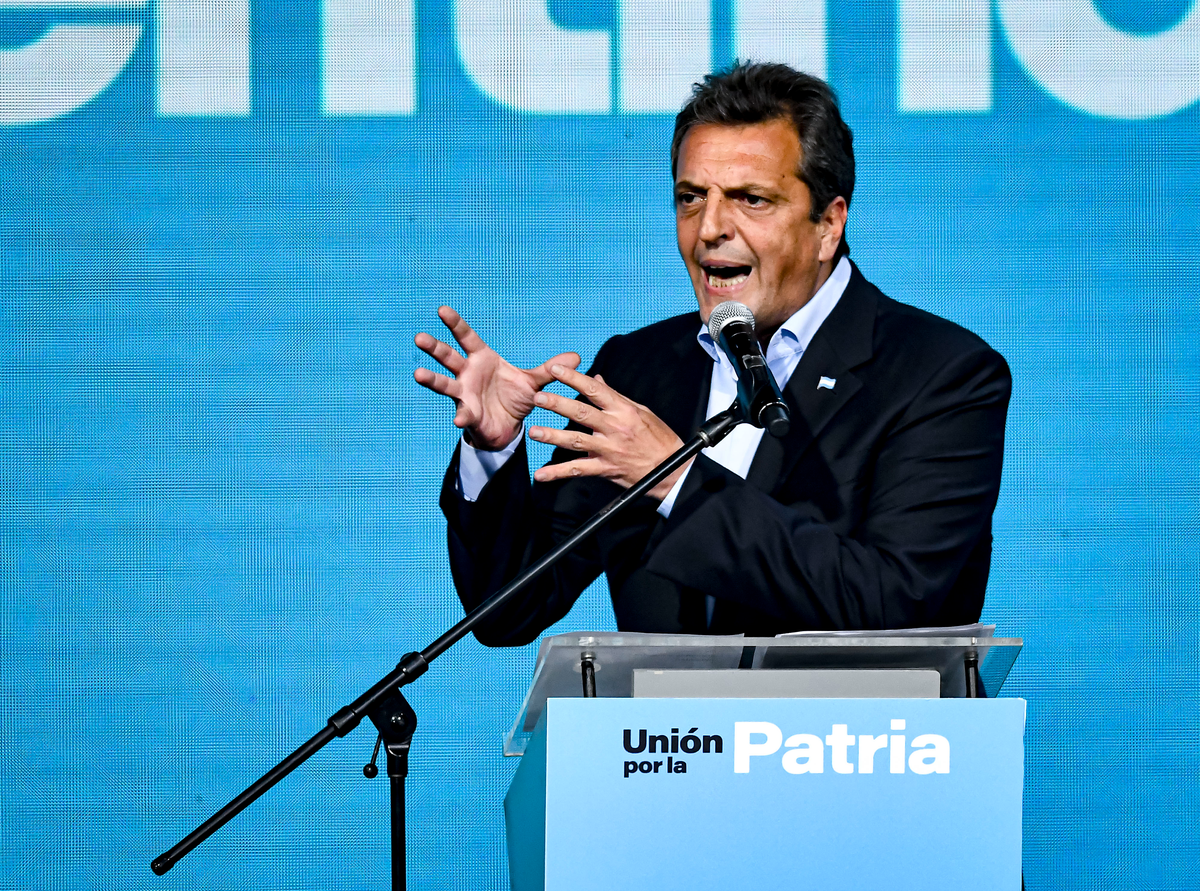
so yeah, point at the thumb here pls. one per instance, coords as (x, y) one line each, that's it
(542, 375)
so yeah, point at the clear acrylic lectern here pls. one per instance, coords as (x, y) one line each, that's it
(604, 663)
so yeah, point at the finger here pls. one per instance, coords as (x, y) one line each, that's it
(570, 470)
(438, 383)
(463, 333)
(448, 357)
(542, 374)
(464, 417)
(599, 393)
(573, 410)
(575, 440)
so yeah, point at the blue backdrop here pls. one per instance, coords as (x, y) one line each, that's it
(223, 223)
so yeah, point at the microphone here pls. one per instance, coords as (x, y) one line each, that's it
(731, 325)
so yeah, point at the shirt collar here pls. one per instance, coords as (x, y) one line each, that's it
(797, 332)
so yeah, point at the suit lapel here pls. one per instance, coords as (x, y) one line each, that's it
(843, 342)
(687, 404)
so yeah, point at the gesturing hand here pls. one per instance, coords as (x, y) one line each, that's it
(627, 439)
(493, 396)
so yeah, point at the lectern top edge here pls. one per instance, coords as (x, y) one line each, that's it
(707, 641)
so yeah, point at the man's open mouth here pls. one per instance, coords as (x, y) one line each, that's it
(725, 276)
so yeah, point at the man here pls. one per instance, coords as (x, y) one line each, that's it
(874, 512)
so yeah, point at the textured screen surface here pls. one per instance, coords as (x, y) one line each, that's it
(221, 224)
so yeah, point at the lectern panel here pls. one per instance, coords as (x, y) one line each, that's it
(897, 794)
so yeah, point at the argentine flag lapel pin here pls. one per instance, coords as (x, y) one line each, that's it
(826, 383)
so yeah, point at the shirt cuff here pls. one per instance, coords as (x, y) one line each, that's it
(476, 466)
(667, 503)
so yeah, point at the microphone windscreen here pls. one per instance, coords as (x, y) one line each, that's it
(729, 311)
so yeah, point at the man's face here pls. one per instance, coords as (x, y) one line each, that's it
(742, 218)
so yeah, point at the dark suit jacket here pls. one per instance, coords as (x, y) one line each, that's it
(874, 512)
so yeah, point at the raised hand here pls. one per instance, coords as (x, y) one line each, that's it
(493, 396)
(627, 439)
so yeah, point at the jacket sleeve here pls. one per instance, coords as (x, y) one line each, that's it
(928, 500)
(512, 524)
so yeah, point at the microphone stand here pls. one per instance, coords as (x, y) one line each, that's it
(386, 706)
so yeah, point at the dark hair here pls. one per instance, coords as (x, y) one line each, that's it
(756, 92)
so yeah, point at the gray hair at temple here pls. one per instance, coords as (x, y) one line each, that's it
(757, 92)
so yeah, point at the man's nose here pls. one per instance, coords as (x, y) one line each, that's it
(715, 221)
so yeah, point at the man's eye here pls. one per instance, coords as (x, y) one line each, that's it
(686, 198)
(755, 200)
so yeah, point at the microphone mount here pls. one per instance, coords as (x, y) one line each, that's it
(386, 706)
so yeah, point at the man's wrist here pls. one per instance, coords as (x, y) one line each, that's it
(479, 446)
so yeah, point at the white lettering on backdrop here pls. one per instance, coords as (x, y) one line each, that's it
(518, 56)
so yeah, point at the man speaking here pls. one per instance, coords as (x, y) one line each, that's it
(873, 511)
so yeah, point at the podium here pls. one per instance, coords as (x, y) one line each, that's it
(915, 787)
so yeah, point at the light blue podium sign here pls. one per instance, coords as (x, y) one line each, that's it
(895, 794)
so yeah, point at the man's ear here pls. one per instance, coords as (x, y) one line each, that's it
(831, 227)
